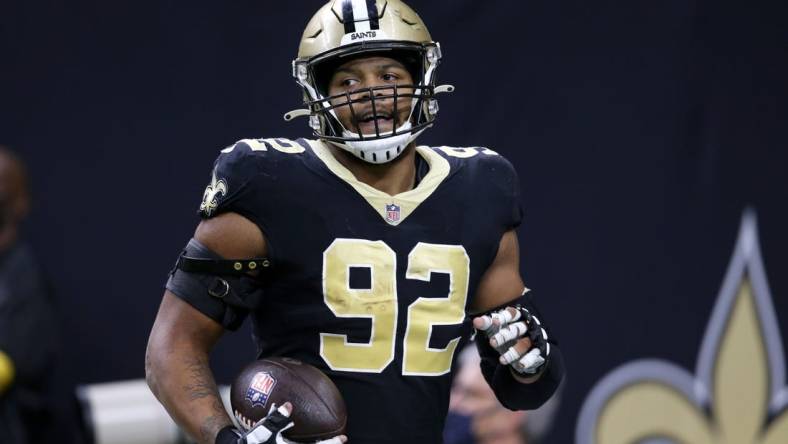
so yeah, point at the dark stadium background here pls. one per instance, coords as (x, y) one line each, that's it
(641, 130)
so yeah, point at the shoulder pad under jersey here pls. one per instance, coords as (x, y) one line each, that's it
(240, 163)
(492, 175)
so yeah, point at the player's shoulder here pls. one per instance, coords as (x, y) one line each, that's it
(252, 156)
(264, 149)
(488, 179)
(249, 168)
(477, 161)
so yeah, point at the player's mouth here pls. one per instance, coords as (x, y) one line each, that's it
(367, 122)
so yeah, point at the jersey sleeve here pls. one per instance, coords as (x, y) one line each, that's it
(232, 188)
(505, 186)
(231, 183)
(515, 204)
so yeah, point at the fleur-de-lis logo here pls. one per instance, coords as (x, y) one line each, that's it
(737, 394)
(210, 199)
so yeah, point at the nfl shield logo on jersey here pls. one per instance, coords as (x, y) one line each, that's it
(260, 389)
(392, 213)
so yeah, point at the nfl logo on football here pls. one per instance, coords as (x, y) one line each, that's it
(392, 213)
(260, 389)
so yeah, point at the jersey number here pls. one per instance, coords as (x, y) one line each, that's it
(379, 303)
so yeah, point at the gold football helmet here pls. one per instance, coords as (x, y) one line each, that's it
(344, 29)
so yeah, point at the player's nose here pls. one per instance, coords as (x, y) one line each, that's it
(372, 84)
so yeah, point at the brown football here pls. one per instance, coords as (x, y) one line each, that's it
(318, 408)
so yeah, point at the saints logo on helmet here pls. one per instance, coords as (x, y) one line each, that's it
(343, 29)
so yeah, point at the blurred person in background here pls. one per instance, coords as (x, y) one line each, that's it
(26, 318)
(476, 417)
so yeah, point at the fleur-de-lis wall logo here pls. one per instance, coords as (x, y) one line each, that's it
(737, 394)
(210, 199)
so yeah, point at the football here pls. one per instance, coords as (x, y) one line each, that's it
(318, 408)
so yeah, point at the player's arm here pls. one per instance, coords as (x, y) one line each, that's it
(176, 361)
(519, 361)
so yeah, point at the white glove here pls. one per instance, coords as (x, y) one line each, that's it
(269, 429)
(518, 336)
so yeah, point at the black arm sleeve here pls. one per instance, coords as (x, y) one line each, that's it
(515, 395)
(511, 393)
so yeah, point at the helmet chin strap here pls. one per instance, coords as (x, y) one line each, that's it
(381, 150)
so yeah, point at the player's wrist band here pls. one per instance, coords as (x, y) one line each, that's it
(229, 435)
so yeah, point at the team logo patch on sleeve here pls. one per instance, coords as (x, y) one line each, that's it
(260, 389)
(214, 190)
(392, 213)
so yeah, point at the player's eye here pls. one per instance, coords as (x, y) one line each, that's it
(346, 83)
(390, 77)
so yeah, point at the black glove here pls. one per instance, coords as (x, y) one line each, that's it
(267, 431)
(518, 336)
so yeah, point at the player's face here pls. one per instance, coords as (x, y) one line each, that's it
(368, 72)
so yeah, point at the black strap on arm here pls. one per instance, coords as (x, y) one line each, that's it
(222, 266)
(225, 290)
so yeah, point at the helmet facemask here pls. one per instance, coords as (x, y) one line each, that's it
(343, 30)
(379, 146)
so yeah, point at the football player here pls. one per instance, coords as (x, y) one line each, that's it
(356, 251)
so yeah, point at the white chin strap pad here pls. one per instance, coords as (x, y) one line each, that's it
(380, 150)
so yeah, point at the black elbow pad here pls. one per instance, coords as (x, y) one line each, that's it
(219, 288)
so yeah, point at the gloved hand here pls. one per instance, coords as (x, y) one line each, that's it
(268, 430)
(518, 336)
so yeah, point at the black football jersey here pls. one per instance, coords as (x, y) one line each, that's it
(372, 289)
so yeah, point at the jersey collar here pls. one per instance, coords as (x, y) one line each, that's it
(393, 209)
